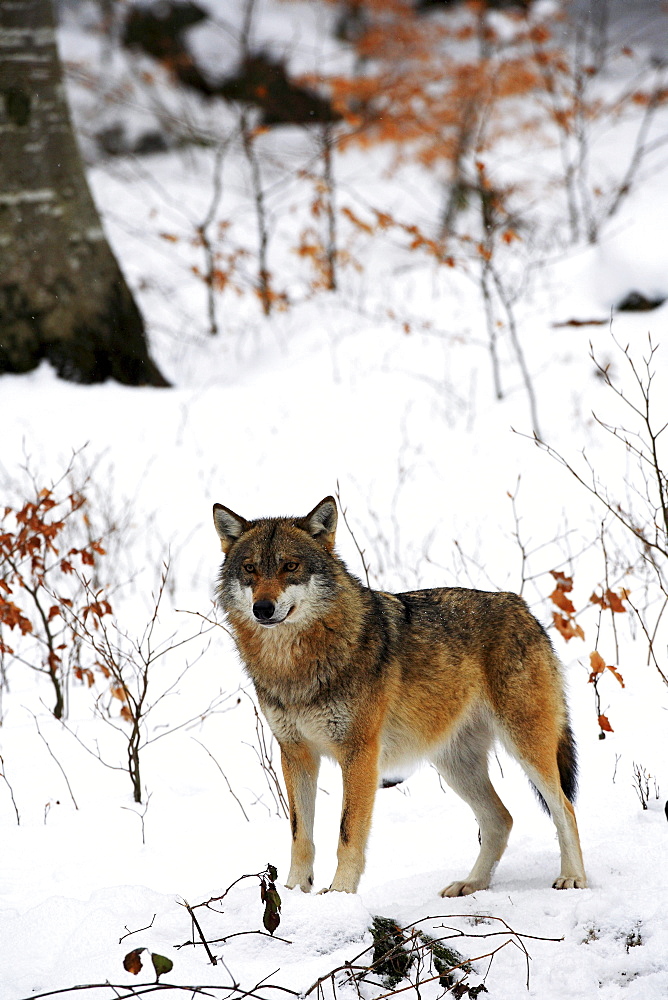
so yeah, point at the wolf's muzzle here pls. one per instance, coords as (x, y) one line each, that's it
(268, 614)
(264, 610)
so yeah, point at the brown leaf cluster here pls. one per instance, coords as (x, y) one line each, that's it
(609, 600)
(35, 562)
(599, 666)
(564, 622)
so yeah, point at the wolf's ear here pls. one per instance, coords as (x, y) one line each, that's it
(228, 525)
(321, 522)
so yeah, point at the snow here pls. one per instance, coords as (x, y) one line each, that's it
(267, 418)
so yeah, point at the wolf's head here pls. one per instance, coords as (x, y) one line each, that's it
(278, 569)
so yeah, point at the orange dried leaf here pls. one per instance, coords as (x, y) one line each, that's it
(355, 219)
(132, 961)
(13, 617)
(559, 598)
(615, 671)
(610, 600)
(384, 219)
(562, 581)
(604, 724)
(567, 628)
(614, 602)
(598, 665)
(597, 662)
(126, 714)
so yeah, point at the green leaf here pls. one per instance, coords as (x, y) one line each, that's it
(272, 872)
(161, 964)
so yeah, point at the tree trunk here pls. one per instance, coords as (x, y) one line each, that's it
(62, 294)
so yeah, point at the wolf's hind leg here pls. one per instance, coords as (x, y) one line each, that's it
(300, 770)
(463, 764)
(540, 762)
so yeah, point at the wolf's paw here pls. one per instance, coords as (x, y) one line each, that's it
(304, 883)
(463, 888)
(347, 876)
(570, 882)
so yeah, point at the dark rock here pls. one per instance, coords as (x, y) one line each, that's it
(264, 82)
(637, 302)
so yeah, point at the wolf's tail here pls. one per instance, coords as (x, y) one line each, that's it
(567, 762)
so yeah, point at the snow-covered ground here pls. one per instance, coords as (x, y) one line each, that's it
(383, 393)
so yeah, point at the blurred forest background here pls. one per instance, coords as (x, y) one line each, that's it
(494, 117)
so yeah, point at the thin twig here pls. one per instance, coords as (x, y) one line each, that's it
(138, 931)
(11, 790)
(228, 937)
(60, 766)
(365, 565)
(229, 786)
(211, 956)
(142, 989)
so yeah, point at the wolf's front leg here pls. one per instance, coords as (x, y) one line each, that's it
(360, 780)
(300, 770)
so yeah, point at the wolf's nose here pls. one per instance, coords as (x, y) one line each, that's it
(263, 610)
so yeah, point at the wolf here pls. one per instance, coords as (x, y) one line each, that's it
(379, 681)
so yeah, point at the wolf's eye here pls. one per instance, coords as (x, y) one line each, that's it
(290, 567)
(249, 567)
